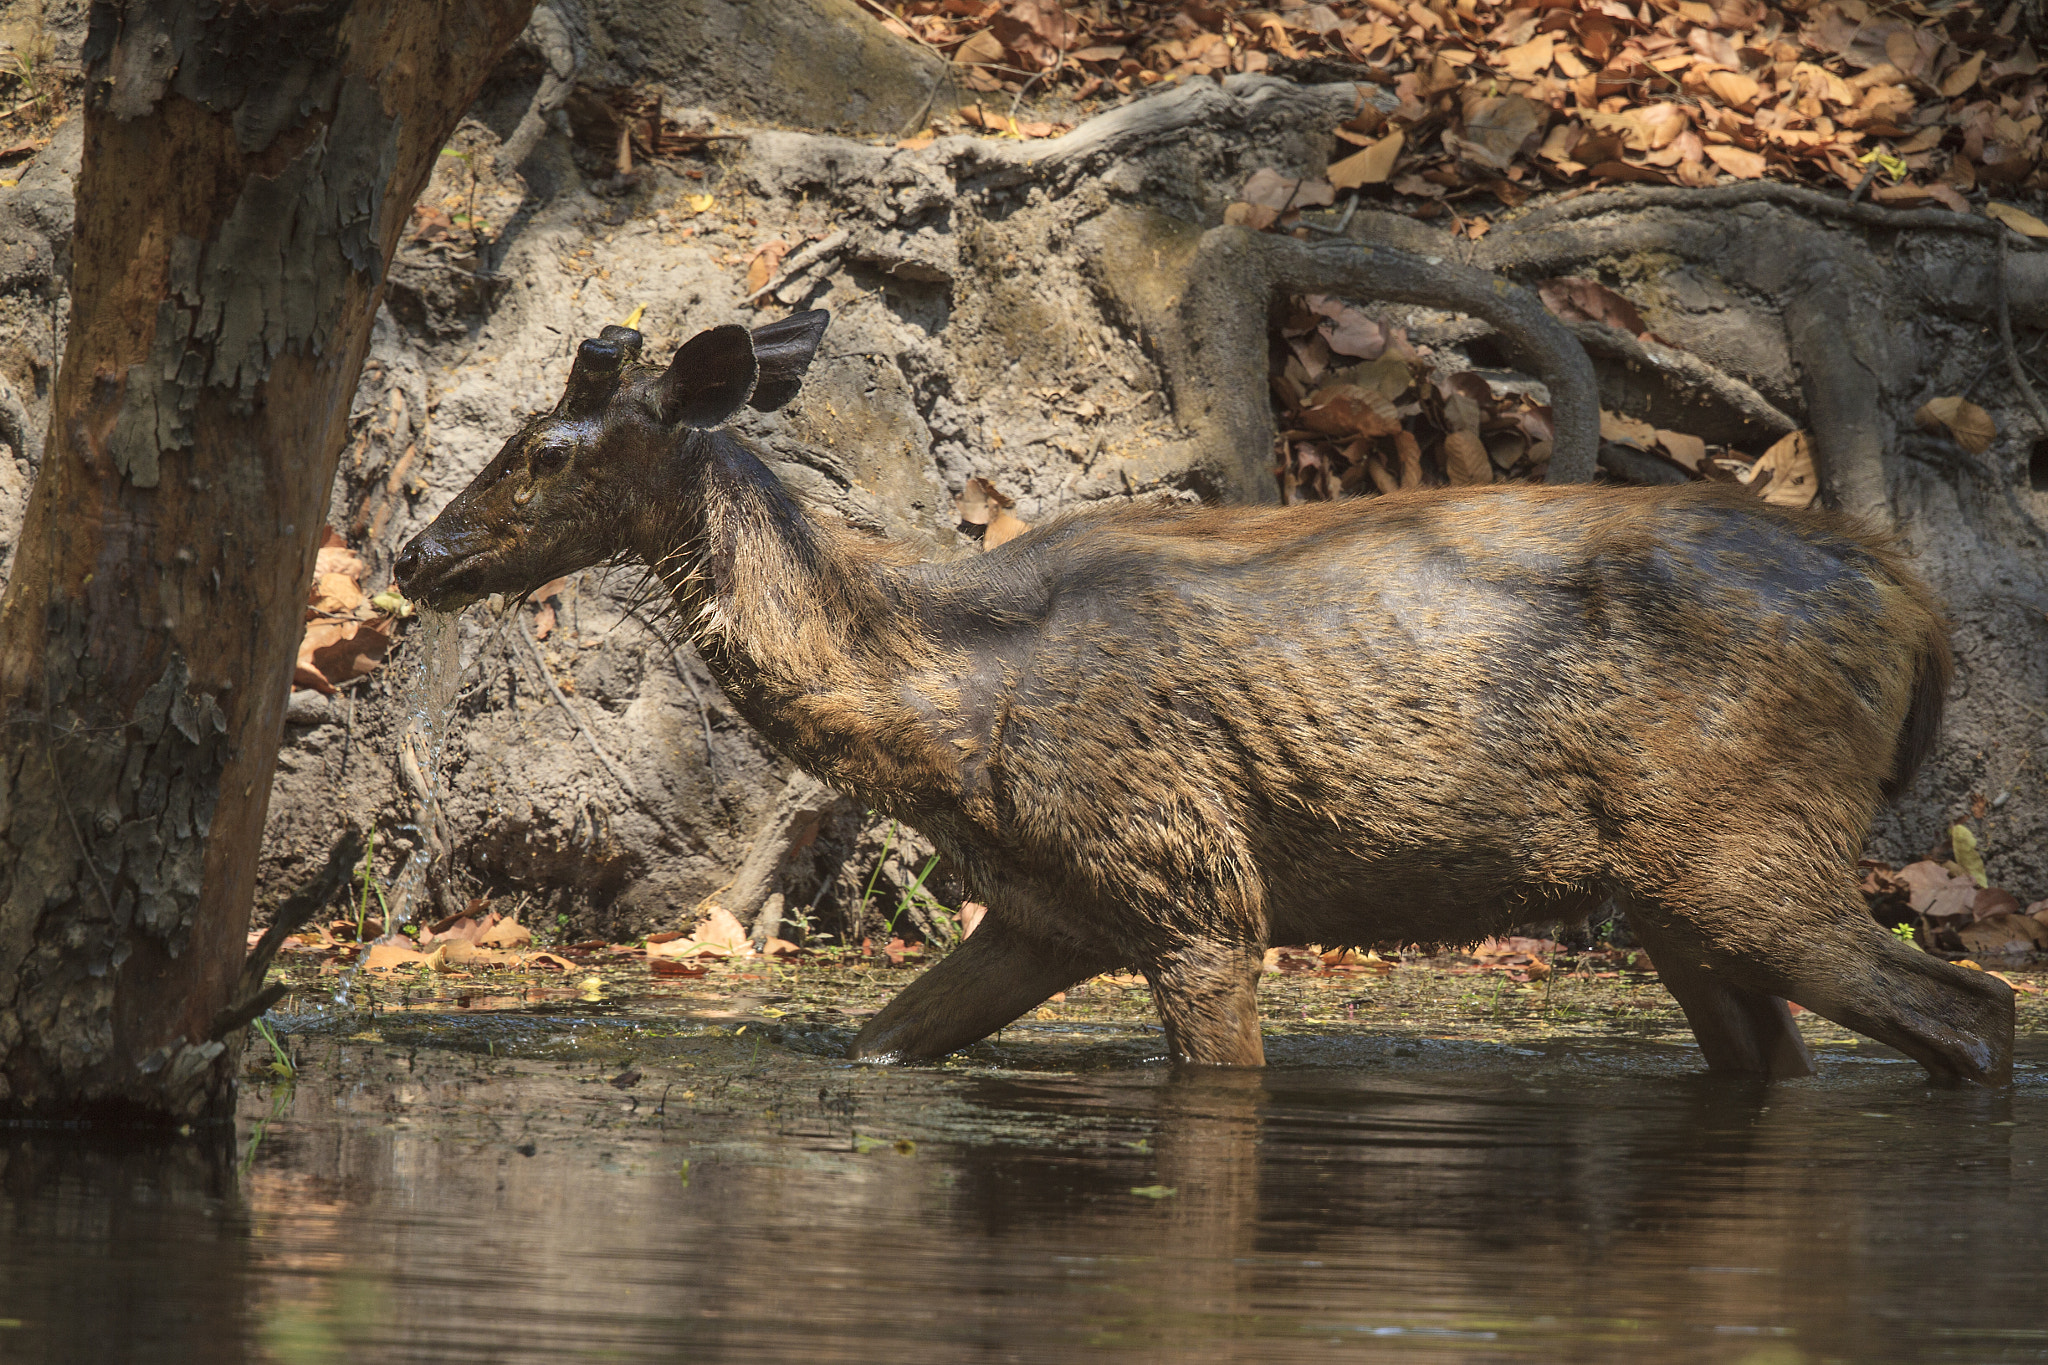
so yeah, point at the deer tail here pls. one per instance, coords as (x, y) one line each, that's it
(1934, 667)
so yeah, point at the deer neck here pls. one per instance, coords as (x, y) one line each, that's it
(802, 628)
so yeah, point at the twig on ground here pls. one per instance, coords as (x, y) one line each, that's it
(803, 260)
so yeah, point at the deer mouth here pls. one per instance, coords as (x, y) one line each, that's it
(444, 579)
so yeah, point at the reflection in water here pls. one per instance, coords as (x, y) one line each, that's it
(1438, 1200)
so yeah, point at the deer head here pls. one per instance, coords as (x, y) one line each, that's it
(572, 486)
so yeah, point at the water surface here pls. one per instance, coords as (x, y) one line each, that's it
(476, 1189)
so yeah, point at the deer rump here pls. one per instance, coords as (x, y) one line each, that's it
(1167, 738)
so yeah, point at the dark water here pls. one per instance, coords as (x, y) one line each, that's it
(477, 1191)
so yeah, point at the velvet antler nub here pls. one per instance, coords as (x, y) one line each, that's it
(600, 364)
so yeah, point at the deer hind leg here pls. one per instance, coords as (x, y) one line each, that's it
(995, 976)
(1740, 1031)
(1809, 938)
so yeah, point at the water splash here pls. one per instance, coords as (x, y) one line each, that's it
(424, 679)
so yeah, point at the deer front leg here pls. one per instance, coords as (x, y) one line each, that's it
(1206, 992)
(983, 984)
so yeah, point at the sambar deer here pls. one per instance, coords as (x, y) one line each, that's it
(1167, 737)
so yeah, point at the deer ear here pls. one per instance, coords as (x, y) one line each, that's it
(785, 349)
(710, 378)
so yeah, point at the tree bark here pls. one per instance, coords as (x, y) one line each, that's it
(248, 171)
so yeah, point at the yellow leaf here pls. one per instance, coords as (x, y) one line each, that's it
(1794, 481)
(2020, 221)
(633, 318)
(699, 203)
(1971, 426)
(1967, 855)
(1371, 166)
(392, 602)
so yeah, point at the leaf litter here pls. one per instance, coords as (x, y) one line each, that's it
(1914, 104)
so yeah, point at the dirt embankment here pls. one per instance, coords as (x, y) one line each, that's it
(1038, 314)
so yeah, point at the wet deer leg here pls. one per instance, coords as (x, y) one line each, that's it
(983, 984)
(1740, 1031)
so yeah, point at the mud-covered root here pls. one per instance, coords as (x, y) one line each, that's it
(985, 983)
(1214, 342)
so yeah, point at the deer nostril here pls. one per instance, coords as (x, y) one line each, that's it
(408, 562)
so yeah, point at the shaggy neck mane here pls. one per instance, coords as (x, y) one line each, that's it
(801, 624)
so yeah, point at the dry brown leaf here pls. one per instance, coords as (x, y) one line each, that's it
(1627, 431)
(1348, 331)
(1005, 525)
(1736, 161)
(339, 559)
(721, 929)
(505, 934)
(761, 266)
(1689, 451)
(336, 594)
(1792, 480)
(1276, 191)
(979, 501)
(2019, 220)
(1257, 217)
(1348, 410)
(1527, 61)
(387, 957)
(1496, 129)
(983, 49)
(1369, 167)
(1971, 426)
(1733, 89)
(2003, 934)
(1574, 300)
(1963, 76)
(1465, 459)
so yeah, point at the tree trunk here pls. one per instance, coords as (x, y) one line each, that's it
(247, 174)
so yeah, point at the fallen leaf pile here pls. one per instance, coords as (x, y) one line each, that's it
(1929, 103)
(717, 935)
(1362, 409)
(1952, 907)
(347, 633)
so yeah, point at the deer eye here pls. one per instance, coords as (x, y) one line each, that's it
(550, 458)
